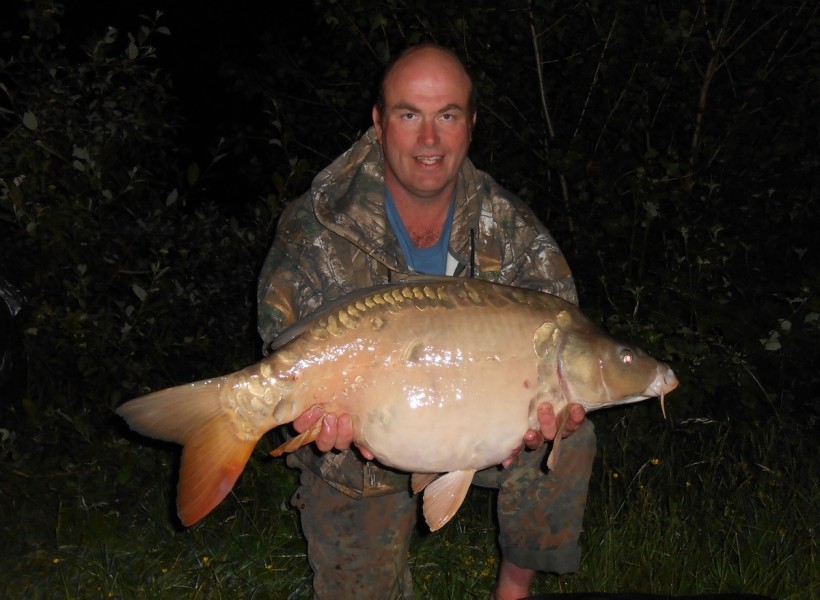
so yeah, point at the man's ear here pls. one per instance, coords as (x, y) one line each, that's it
(377, 121)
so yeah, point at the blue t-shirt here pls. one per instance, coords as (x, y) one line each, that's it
(432, 260)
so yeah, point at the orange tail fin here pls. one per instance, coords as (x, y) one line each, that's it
(214, 454)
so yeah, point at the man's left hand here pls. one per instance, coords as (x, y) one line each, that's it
(548, 428)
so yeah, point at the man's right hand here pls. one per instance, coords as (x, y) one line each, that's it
(336, 433)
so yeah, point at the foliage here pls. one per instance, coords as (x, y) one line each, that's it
(124, 258)
(671, 148)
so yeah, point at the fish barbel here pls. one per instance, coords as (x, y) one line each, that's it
(441, 377)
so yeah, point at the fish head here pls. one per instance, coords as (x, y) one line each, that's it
(597, 371)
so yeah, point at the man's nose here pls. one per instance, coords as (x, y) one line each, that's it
(428, 136)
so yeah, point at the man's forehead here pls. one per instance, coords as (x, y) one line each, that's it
(430, 63)
(437, 78)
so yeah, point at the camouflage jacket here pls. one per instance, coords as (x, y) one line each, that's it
(336, 238)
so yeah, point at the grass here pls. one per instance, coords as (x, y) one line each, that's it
(686, 507)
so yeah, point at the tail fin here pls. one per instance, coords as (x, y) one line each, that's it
(213, 454)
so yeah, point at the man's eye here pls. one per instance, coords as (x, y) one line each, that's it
(408, 116)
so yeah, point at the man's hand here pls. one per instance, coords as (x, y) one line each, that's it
(336, 433)
(548, 428)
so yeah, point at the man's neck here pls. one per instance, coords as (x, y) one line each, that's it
(423, 218)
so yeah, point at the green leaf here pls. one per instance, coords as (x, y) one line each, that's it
(81, 153)
(139, 292)
(125, 473)
(193, 173)
(29, 407)
(30, 121)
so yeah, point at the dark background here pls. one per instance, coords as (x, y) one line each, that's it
(671, 148)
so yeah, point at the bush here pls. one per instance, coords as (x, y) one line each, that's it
(134, 277)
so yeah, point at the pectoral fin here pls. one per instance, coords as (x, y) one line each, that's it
(443, 497)
(560, 424)
(303, 439)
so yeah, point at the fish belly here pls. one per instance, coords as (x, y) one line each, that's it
(433, 418)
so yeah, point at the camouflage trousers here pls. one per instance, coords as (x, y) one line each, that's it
(358, 545)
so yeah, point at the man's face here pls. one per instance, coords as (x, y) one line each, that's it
(425, 128)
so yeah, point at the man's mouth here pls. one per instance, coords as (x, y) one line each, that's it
(430, 160)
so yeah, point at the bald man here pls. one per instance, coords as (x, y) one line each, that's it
(403, 200)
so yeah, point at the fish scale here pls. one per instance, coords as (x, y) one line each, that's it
(441, 376)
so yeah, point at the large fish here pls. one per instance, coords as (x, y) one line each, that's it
(440, 376)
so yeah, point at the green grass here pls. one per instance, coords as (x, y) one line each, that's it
(695, 507)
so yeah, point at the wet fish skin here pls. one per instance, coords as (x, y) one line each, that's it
(439, 376)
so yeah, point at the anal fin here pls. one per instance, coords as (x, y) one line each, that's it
(419, 481)
(443, 497)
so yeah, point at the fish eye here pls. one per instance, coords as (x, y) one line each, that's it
(627, 356)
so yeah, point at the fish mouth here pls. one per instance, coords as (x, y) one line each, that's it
(665, 382)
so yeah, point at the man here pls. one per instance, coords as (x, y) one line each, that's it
(406, 199)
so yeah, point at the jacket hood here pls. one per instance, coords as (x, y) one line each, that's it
(348, 198)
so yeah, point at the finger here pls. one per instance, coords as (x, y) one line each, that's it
(308, 418)
(546, 420)
(577, 414)
(508, 461)
(327, 436)
(344, 432)
(533, 439)
(367, 454)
